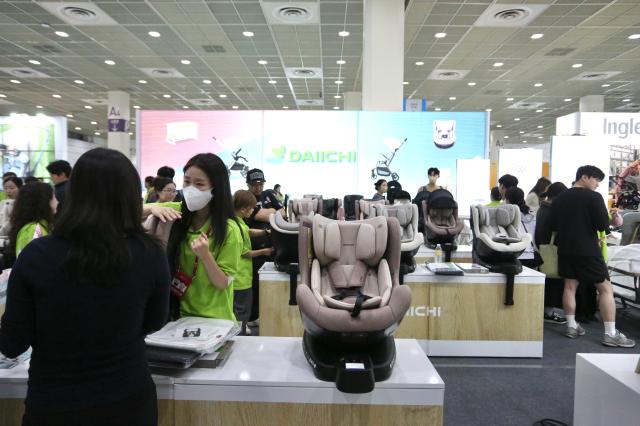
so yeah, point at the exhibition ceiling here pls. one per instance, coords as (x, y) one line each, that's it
(221, 54)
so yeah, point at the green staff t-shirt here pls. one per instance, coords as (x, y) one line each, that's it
(28, 233)
(244, 276)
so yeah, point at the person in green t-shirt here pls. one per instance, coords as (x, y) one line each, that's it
(32, 216)
(243, 204)
(496, 198)
(205, 244)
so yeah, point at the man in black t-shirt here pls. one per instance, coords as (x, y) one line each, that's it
(578, 215)
(267, 205)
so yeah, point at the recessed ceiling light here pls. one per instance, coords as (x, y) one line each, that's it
(133, 122)
(626, 100)
(247, 33)
(521, 132)
(341, 62)
(576, 66)
(56, 96)
(235, 107)
(34, 62)
(96, 133)
(336, 107)
(567, 99)
(206, 81)
(499, 126)
(509, 99)
(94, 123)
(279, 96)
(488, 110)
(88, 107)
(537, 36)
(405, 82)
(185, 107)
(15, 81)
(222, 95)
(285, 107)
(634, 36)
(516, 119)
(78, 128)
(69, 115)
(540, 137)
(142, 81)
(262, 62)
(540, 127)
(39, 106)
(605, 85)
(419, 63)
(2, 95)
(438, 109)
(537, 85)
(524, 141)
(471, 83)
(109, 62)
(452, 98)
(154, 34)
(338, 97)
(130, 133)
(136, 107)
(498, 64)
(272, 82)
(343, 33)
(506, 137)
(61, 34)
(166, 95)
(78, 81)
(338, 82)
(440, 35)
(539, 110)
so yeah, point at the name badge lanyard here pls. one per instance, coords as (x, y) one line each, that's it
(195, 262)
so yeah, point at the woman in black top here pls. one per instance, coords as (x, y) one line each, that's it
(84, 299)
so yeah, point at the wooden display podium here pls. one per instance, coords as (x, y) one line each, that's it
(449, 315)
(426, 254)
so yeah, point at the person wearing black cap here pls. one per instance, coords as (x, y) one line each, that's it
(268, 203)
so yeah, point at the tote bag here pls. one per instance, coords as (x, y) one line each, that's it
(549, 255)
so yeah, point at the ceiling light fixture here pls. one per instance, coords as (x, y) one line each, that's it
(419, 63)
(166, 95)
(39, 106)
(338, 97)
(247, 33)
(537, 36)
(440, 35)
(341, 62)
(185, 107)
(69, 115)
(540, 127)
(136, 107)
(343, 33)
(185, 62)
(61, 34)
(336, 107)
(537, 85)
(524, 141)
(272, 82)
(539, 110)
(338, 82)
(634, 36)
(88, 107)
(95, 123)
(516, 119)
(34, 62)
(405, 82)
(142, 81)
(576, 66)
(488, 110)
(452, 98)
(56, 96)
(498, 64)
(605, 85)
(285, 107)
(15, 81)
(262, 62)
(206, 81)
(154, 34)
(222, 95)
(130, 133)
(471, 83)
(499, 126)
(2, 95)
(540, 137)
(109, 62)
(438, 109)
(567, 99)
(235, 107)
(626, 100)
(509, 99)
(96, 133)
(279, 96)
(506, 137)
(77, 128)
(78, 81)
(521, 132)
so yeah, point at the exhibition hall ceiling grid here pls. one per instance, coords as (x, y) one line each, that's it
(197, 54)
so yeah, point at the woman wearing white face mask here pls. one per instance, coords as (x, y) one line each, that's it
(205, 243)
(434, 174)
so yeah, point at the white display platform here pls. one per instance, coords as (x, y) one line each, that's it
(607, 390)
(274, 369)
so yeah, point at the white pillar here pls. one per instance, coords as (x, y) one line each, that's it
(592, 103)
(118, 122)
(383, 55)
(352, 101)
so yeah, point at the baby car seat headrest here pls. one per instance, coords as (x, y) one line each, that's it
(505, 215)
(441, 199)
(347, 242)
(403, 212)
(305, 206)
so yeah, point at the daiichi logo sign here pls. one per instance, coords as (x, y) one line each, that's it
(281, 154)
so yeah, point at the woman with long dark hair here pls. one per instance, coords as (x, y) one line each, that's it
(205, 244)
(534, 196)
(32, 216)
(515, 196)
(84, 298)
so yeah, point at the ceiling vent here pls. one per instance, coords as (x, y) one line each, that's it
(282, 13)
(510, 15)
(78, 13)
(448, 74)
(214, 48)
(46, 48)
(203, 102)
(560, 51)
(595, 75)
(526, 105)
(162, 72)
(24, 72)
(98, 102)
(310, 102)
(303, 72)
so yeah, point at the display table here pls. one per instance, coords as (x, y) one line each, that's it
(449, 315)
(267, 380)
(425, 254)
(13, 390)
(607, 390)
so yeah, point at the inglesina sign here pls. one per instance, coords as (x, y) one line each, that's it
(621, 128)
